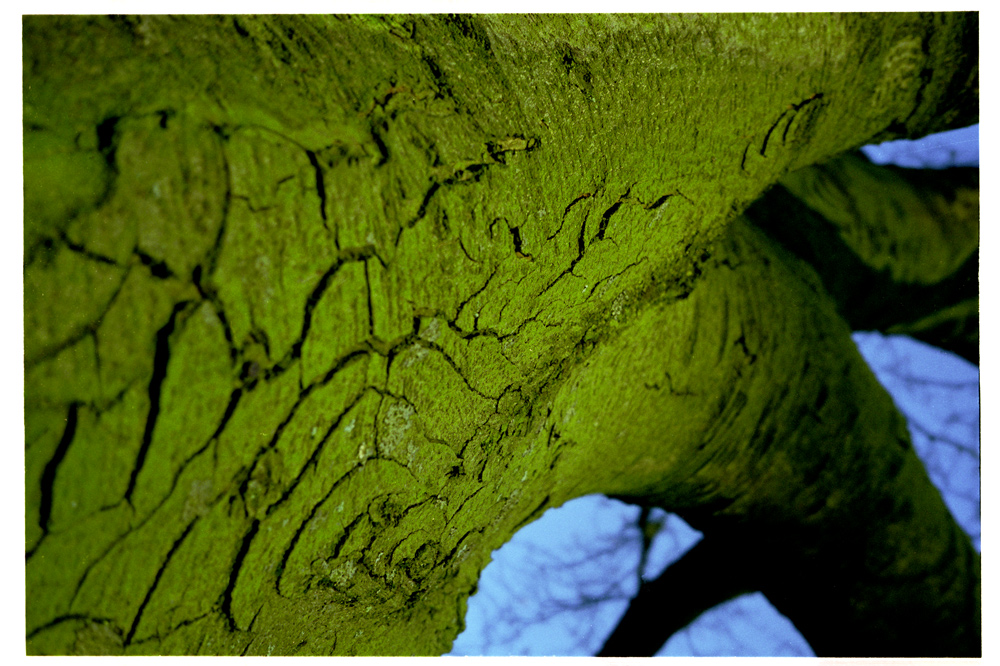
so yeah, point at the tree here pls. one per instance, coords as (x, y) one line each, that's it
(320, 310)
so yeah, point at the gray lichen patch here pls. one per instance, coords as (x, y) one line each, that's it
(397, 419)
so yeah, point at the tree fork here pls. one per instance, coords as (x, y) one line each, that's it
(897, 248)
(822, 474)
(405, 413)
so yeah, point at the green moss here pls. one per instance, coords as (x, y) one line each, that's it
(109, 231)
(356, 180)
(392, 316)
(193, 399)
(126, 339)
(64, 277)
(418, 375)
(348, 520)
(197, 574)
(321, 422)
(53, 163)
(252, 427)
(275, 248)
(176, 197)
(493, 372)
(58, 639)
(57, 568)
(69, 375)
(104, 447)
(43, 429)
(339, 321)
(915, 233)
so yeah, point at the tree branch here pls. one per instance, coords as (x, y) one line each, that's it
(896, 248)
(706, 576)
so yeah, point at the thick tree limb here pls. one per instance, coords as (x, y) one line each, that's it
(401, 283)
(896, 248)
(824, 467)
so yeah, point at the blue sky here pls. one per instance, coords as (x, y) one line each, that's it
(561, 584)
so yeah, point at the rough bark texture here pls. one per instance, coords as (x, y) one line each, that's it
(320, 310)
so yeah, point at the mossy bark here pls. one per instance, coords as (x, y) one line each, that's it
(320, 310)
(898, 249)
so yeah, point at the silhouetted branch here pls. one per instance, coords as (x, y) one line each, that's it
(715, 570)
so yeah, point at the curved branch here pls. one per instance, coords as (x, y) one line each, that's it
(705, 576)
(896, 248)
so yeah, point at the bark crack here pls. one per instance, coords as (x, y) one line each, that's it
(84, 251)
(272, 443)
(461, 306)
(160, 360)
(794, 108)
(606, 217)
(421, 211)
(156, 581)
(313, 457)
(49, 475)
(84, 331)
(69, 617)
(157, 267)
(427, 344)
(293, 542)
(226, 605)
(320, 187)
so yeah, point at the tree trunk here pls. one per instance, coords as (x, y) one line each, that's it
(320, 310)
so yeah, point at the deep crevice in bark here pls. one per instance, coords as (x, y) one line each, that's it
(156, 581)
(160, 361)
(48, 479)
(226, 604)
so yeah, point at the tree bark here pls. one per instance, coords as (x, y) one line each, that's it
(320, 310)
(897, 248)
(862, 257)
